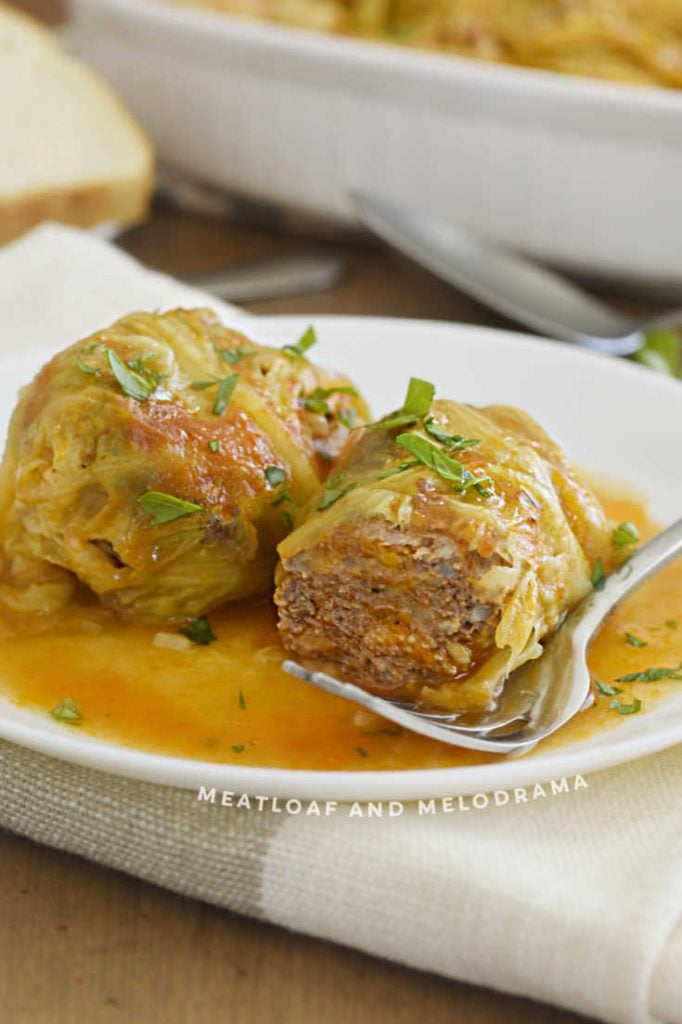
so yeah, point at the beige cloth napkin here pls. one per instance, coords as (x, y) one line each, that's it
(575, 899)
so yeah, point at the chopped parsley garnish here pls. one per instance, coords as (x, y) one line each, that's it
(242, 701)
(226, 386)
(452, 442)
(402, 468)
(626, 709)
(361, 751)
(164, 508)
(598, 574)
(282, 497)
(446, 467)
(624, 535)
(67, 711)
(139, 365)
(416, 405)
(348, 418)
(287, 520)
(317, 402)
(398, 419)
(233, 355)
(275, 475)
(671, 623)
(634, 641)
(607, 690)
(133, 383)
(652, 675)
(333, 490)
(662, 351)
(305, 342)
(214, 446)
(239, 748)
(91, 371)
(419, 397)
(199, 632)
(225, 389)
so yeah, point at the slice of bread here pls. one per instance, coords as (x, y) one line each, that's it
(69, 151)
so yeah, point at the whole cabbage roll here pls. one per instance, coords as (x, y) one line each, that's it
(159, 462)
(452, 541)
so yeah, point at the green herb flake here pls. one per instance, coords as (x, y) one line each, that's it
(419, 397)
(91, 371)
(242, 701)
(139, 365)
(225, 389)
(317, 402)
(199, 632)
(402, 468)
(626, 709)
(67, 711)
(132, 383)
(202, 385)
(624, 535)
(287, 520)
(652, 675)
(634, 641)
(305, 342)
(452, 442)
(398, 419)
(164, 508)
(446, 467)
(282, 497)
(333, 491)
(607, 690)
(671, 623)
(275, 475)
(662, 351)
(214, 446)
(348, 418)
(416, 405)
(234, 355)
(598, 574)
(239, 748)
(362, 752)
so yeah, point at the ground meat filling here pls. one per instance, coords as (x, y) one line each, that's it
(390, 609)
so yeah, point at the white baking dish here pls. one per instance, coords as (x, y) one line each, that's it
(581, 173)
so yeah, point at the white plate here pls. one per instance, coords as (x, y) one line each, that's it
(614, 417)
(576, 171)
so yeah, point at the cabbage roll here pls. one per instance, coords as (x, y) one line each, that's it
(450, 543)
(159, 462)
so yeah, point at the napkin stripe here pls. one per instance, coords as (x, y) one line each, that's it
(158, 833)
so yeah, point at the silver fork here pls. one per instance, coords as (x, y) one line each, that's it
(540, 696)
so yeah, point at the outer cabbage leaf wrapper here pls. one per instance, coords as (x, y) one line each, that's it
(537, 535)
(81, 452)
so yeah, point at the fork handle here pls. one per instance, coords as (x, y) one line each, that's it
(657, 553)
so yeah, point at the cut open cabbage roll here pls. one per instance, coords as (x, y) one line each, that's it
(159, 462)
(453, 540)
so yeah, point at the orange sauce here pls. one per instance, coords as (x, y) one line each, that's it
(231, 702)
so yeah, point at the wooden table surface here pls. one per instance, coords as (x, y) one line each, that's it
(79, 943)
